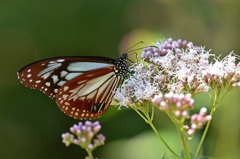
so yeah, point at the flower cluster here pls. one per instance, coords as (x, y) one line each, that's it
(223, 72)
(180, 67)
(162, 49)
(198, 120)
(83, 135)
(176, 104)
(145, 88)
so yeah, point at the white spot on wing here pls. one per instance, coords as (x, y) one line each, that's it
(55, 90)
(51, 62)
(61, 83)
(60, 60)
(65, 96)
(29, 75)
(64, 73)
(51, 67)
(65, 88)
(72, 75)
(86, 66)
(46, 75)
(47, 84)
(38, 81)
(55, 78)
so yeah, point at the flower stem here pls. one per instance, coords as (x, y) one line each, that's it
(162, 140)
(214, 96)
(184, 142)
(203, 136)
(148, 119)
(89, 152)
(182, 135)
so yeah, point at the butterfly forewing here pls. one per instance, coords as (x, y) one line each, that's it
(88, 96)
(50, 74)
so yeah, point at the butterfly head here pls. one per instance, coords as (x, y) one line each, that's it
(121, 65)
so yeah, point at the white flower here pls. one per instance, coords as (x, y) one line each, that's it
(138, 87)
(179, 67)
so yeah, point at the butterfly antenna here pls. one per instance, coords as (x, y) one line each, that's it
(140, 42)
(128, 50)
(135, 57)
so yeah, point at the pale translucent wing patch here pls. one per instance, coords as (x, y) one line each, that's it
(50, 74)
(88, 96)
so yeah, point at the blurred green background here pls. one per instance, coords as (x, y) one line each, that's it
(31, 123)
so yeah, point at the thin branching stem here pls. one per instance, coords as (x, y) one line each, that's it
(182, 134)
(148, 119)
(215, 101)
(184, 142)
(162, 140)
(90, 155)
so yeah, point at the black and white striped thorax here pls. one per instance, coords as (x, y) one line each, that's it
(121, 65)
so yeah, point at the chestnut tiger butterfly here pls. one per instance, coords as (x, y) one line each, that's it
(83, 87)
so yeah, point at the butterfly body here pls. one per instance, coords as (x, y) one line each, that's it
(83, 87)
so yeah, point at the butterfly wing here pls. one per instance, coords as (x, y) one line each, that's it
(50, 74)
(83, 87)
(89, 95)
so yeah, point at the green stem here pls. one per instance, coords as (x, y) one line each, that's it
(184, 142)
(148, 120)
(203, 136)
(216, 100)
(215, 95)
(162, 140)
(89, 152)
(182, 135)
(152, 113)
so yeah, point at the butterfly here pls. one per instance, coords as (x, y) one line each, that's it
(83, 87)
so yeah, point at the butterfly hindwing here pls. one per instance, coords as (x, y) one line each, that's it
(88, 96)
